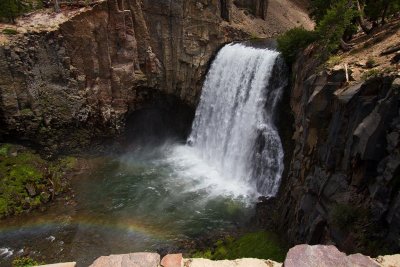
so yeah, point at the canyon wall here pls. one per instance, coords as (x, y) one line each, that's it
(342, 186)
(256, 7)
(72, 83)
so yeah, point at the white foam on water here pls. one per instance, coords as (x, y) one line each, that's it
(6, 252)
(200, 175)
(234, 141)
(234, 149)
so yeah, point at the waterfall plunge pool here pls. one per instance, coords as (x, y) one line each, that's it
(157, 197)
(147, 200)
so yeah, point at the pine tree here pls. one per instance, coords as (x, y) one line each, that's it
(9, 10)
(379, 10)
(333, 25)
(319, 8)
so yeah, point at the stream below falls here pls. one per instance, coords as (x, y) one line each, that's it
(147, 200)
(155, 198)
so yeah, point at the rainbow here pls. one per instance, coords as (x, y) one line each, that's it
(127, 225)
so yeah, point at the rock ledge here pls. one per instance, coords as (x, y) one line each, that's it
(298, 256)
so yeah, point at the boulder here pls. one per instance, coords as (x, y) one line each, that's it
(325, 256)
(140, 259)
(172, 260)
(389, 260)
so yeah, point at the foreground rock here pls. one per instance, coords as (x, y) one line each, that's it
(129, 260)
(299, 256)
(325, 256)
(389, 260)
(230, 263)
(172, 260)
(65, 264)
(175, 260)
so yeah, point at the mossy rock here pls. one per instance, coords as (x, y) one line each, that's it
(261, 245)
(4, 149)
(25, 262)
(27, 179)
(10, 31)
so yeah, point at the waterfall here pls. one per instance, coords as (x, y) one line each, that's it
(233, 129)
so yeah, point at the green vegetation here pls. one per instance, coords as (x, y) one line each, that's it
(378, 10)
(334, 24)
(25, 262)
(333, 61)
(356, 222)
(10, 31)
(370, 74)
(293, 41)
(261, 245)
(374, 10)
(254, 36)
(346, 216)
(370, 63)
(11, 9)
(337, 21)
(27, 180)
(4, 150)
(328, 34)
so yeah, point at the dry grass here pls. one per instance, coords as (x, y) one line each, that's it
(39, 21)
(368, 48)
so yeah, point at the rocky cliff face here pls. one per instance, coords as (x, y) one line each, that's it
(344, 177)
(256, 7)
(75, 81)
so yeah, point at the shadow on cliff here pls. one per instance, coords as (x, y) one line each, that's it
(164, 119)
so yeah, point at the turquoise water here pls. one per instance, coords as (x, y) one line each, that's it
(154, 199)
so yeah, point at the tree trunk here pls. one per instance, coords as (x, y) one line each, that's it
(361, 20)
(385, 10)
(344, 46)
(56, 6)
(360, 10)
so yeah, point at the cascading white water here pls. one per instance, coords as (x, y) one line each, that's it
(177, 191)
(233, 130)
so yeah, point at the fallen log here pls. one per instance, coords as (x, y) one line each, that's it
(391, 50)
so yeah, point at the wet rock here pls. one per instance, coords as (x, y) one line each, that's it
(139, 259)
(30, 188)
(26, 203)
(324, 256)
(45, 197)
